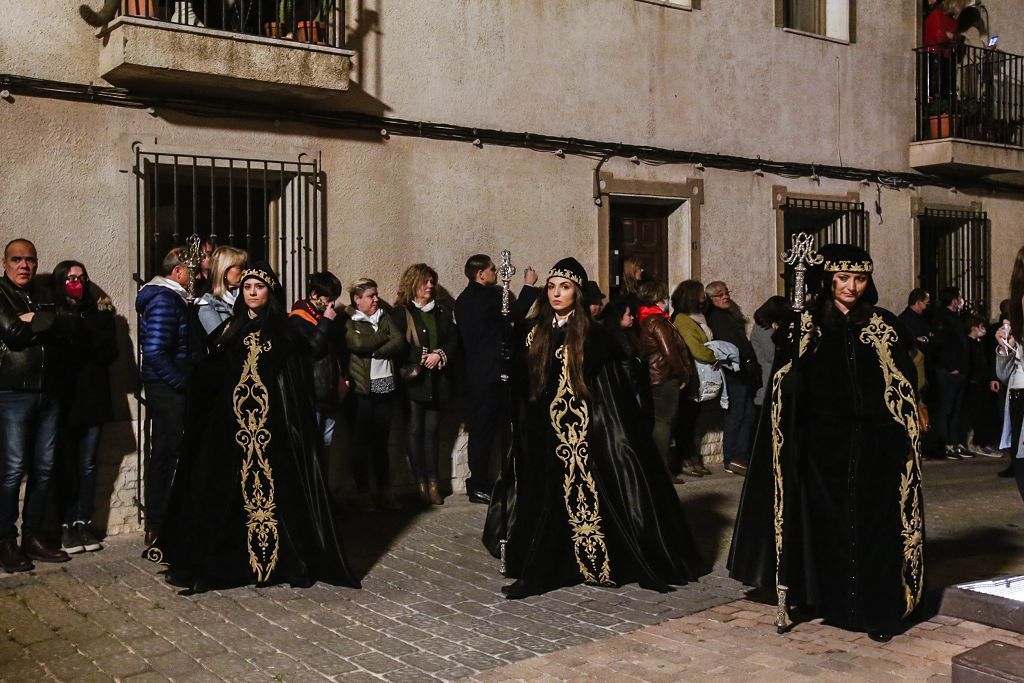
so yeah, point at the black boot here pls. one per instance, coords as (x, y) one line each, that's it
(11, 557)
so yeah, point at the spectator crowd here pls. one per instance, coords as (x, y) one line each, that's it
(688, 351)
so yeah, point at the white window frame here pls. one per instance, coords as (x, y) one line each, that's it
(840, 21)
(675, 4)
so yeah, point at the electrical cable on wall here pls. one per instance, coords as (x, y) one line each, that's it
(388, 127)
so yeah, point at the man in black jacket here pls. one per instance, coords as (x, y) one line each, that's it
(728, 324)
(29, 333)
(479, 320)
(950, 357)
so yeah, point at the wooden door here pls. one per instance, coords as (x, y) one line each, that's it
(638, 230)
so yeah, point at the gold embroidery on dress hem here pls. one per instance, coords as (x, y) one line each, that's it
(252, 408)
(570, 418)
(899, 399)
(807, 333)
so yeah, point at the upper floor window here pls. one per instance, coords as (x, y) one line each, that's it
(827, 18)
(683, 4)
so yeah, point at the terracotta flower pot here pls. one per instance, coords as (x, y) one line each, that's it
(940, 126)
(310, 32)
(141, 8)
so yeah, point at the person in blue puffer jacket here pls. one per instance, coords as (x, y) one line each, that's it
(167, 341)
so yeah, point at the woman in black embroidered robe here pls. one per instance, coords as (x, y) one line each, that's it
(589, 500)
(835, 485)
(249, 504)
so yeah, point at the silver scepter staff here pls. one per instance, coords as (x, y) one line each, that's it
(505, 271)
(192, 257)
(800, 255)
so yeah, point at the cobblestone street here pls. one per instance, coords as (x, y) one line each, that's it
(431, 609)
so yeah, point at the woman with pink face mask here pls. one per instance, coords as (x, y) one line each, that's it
(85, 401)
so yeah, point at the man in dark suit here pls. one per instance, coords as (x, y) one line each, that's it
(951, 358)
(479, 319)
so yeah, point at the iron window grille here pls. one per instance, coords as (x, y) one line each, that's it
(956, 250)
(314, 22)
(828, 221)
(272, 209)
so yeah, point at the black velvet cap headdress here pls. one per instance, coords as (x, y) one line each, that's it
(261, 271)
(570, 269)
(843, 258)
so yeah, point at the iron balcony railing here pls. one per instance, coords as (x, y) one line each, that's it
(970, 93)
(314, 22)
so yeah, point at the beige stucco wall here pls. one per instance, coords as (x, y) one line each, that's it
(721, 79)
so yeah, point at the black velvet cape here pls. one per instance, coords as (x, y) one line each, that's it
(849, 463)
(248, 504)
(627, 523)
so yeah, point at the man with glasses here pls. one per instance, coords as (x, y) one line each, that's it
(728, 324)
(29, 331)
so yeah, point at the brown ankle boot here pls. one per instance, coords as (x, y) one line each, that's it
(434, 494)
(425, 497)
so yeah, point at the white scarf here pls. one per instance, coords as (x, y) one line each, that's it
(379, 367)
(427, 307)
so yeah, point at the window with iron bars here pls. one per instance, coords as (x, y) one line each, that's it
(315, 22)
(955, 250)
(828, 221)
(272, 209)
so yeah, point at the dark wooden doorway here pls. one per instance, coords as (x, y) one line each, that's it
(638, 228)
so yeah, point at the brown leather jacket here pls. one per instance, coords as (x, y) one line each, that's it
(665, 351)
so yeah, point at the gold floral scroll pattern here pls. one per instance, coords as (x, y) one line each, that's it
(899, 399)
(252, 408)
(570, 418)
(807, 333)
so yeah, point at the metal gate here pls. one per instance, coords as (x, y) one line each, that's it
(955, 250)
(272, 209)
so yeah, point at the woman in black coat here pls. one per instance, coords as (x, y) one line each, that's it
(85, 402)
(249, 504)
(832, 503)
(432, 338)
(588, 499)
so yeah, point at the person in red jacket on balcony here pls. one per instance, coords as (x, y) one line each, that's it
(940, 34)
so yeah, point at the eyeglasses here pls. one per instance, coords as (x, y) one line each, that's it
(77, 278)
(721, 294)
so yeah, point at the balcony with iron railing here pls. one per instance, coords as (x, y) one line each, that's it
(969, 110)
(250, 49)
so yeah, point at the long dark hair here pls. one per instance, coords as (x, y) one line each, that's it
(60, 276)
(686, 297)
(1016, 312)
(773, 310)
(538, 358)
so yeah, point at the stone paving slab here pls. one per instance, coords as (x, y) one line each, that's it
(431, 609)
(738, 642)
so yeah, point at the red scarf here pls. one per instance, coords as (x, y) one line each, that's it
(647, 311)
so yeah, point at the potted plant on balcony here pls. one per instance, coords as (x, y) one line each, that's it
(309, 30)
(106, 14)
(941, 123)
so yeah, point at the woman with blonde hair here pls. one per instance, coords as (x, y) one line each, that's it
(632, 276)
(216, 306)
(429, 330)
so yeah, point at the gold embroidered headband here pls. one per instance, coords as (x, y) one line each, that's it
(260, 275)
(567, 274)
(849, 266)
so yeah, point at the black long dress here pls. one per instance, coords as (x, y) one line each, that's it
(839, 447)
(249, 504)
(589, 499)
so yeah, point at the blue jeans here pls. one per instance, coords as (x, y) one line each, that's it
(738, 422)
(78, 465)
(28, 431)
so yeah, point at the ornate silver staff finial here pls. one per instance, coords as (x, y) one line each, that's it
(800, 255)
(192, 257)
(505, 271)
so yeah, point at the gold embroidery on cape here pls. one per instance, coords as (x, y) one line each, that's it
(899, 399)
(807, 333)
(570, 417)
(252, 407)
